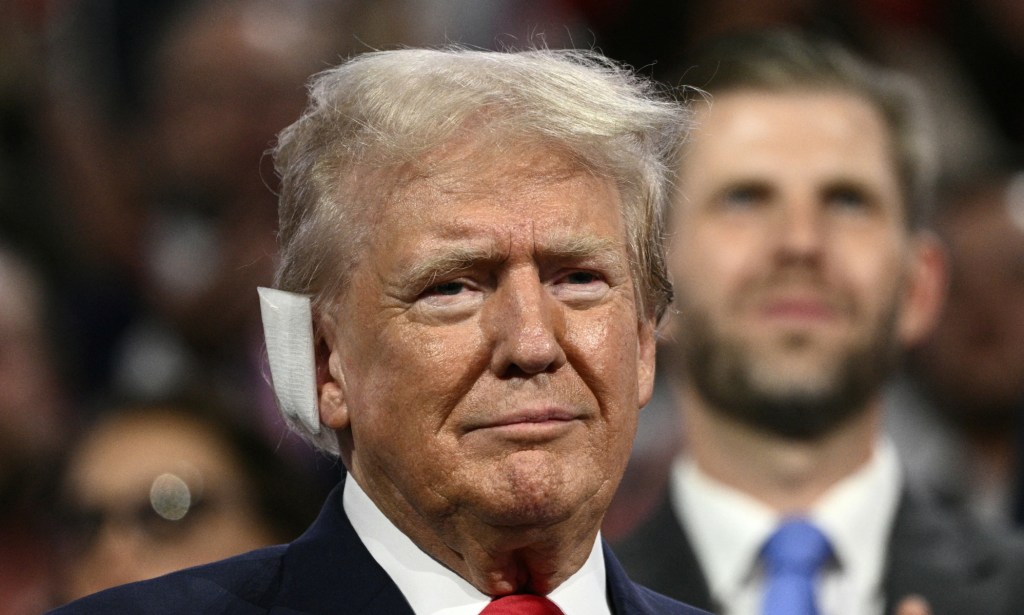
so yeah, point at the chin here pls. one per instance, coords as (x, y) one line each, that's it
(806, 372)
(795, 382)
(527, 512)
(531, 489)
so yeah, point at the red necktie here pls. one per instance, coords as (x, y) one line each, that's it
(521, 604)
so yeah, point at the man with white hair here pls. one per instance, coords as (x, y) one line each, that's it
(471, 278)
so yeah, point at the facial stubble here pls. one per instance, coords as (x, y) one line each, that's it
(737, 383)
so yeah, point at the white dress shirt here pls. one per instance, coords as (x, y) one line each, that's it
(432, 589)
(728, 528)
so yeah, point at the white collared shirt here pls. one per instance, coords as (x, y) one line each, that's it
(432, 589)
(728, 528)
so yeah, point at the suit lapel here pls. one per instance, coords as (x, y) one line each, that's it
(658, 555)
(621, 591)
(329, 570)
(628, 598)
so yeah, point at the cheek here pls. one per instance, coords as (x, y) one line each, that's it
(875, 274)
(602, 347)
(603, 350)
(409, 381)
(702, 268)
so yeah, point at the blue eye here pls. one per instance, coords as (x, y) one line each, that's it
(450, 300)
(745, 195)
(581, 277)
(580, 288)
(447, 289)
(848, 197)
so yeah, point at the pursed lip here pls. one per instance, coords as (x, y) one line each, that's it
(527, 417)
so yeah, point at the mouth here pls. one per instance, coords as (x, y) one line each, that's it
(798, 311)
(530, 423)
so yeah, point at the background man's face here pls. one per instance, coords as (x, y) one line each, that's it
(492, 358)
(789, 254)
(974, 361)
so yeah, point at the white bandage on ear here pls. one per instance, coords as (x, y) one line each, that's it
(288, 329)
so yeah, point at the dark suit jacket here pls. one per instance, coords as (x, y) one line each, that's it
(933, 552)
(326, 570)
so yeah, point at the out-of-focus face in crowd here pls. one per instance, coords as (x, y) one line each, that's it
(30, 402)
(227, 76)
(150, 494)
(790, 249)
(975, 358)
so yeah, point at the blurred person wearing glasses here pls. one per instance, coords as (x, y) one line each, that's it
(158, 486)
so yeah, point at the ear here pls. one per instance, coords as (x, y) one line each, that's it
(330, 381)
(646, 351)
(925, 288)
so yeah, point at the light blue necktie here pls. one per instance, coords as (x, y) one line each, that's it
(792, 557)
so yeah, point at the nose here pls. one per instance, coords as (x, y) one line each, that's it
(527, 327)
(800, 233)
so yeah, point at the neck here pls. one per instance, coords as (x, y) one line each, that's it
(787, 475)
(500, 560)
(535, 560)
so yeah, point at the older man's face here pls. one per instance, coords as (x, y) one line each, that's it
(489, 351)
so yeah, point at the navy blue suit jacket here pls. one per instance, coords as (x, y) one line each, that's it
(326, 570)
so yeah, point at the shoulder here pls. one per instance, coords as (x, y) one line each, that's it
(237, 585)
(944, 554)
(951, 535)
(658, 555)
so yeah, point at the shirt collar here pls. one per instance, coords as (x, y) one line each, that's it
(430, 587)
(857, 515)
(727, 527)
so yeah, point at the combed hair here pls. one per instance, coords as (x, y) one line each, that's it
(779, 60)
(378, 114)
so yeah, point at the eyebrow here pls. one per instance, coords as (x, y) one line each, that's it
(450, 259)
(599, 252)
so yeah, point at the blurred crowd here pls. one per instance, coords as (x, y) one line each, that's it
(137, 216)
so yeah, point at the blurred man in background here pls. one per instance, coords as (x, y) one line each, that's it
(801, 272)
